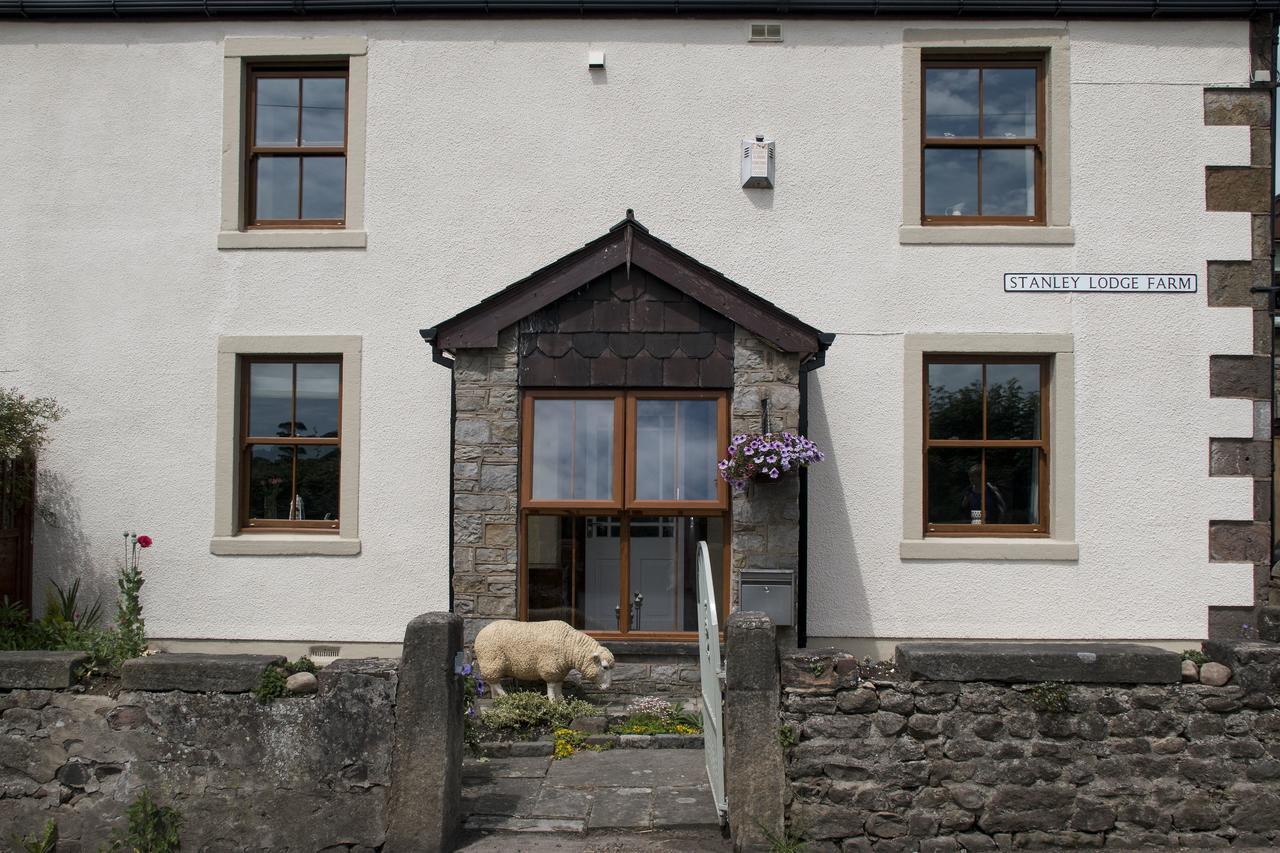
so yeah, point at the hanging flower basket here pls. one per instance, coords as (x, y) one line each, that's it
(766, 457)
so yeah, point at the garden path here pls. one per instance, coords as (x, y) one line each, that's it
(662, 792)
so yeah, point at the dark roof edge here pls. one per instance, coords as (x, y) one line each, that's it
(230, 9)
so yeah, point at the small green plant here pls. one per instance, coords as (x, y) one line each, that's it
(817, 668)
(63, 607)
(651, 715)
(1196, 656)
(523, 715)
(131, 629)
(568, 742)
(150, 828)
(45, 842)
(788, 736)
(791, 840)
(1050, 697)
(302, 664)
(272, 683)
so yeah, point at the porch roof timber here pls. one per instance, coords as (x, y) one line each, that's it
(627, 243)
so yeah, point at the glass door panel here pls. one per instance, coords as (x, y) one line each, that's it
(574, 570)
(663, 584)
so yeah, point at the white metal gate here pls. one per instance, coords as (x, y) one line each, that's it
(711, 671)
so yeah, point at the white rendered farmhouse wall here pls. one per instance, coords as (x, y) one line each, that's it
(490, 149)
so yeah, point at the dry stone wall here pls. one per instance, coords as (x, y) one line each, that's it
(308, 773)
(938, 766)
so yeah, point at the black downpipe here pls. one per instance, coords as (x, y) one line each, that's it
(818, 359)
(438, 356)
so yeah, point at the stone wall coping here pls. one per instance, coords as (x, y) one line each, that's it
(39, 670)
(196, 672)
(1081, 663)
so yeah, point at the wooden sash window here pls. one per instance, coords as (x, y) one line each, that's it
(986, 448)
(290, 442)
(616, 490)
(296, 146)
(983, 141)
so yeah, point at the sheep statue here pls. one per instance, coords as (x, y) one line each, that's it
(539, 651)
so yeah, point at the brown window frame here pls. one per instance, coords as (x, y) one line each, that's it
(980, 142)
(623, 504)
(254, 152)
(1040, 530)
(247, 442)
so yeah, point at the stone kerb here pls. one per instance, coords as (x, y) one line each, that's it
(39, 670)
(755, 784)
(196, 672)
(903, 763)
(424, 803)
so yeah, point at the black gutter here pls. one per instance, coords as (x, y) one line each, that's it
(120, 9)
(818, 359)
(438, 356)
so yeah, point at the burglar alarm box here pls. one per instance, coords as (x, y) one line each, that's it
(757, 162)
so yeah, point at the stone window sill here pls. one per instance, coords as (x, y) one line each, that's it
(944, 548)
(987, 235)
(301, 238)
(283, 544)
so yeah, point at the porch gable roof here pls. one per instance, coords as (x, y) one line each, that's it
(627, 243)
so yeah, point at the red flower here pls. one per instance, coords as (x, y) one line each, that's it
(144, 541)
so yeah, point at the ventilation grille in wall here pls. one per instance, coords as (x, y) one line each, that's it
(766, 32)
(322, 655)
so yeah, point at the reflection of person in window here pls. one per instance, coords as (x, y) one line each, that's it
(973, 501)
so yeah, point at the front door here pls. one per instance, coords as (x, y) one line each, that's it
(618, 487)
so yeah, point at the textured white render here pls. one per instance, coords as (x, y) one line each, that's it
(491, 151)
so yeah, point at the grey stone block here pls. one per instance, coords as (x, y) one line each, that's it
(755, 774)
(424, 806)
(1086, 663)
(196, 673)
(39, 670)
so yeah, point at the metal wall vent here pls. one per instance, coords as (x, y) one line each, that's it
(323, 654)
(766, 32)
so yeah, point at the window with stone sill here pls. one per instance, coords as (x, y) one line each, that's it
(617, 489)
(986, 445)
(982, 141)
(293, 143)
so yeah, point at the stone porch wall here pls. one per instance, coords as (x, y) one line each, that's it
(942, 766)
(304, 773)
(766, 518)
(486, 447)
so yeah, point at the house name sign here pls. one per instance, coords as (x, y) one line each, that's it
(1019, 282)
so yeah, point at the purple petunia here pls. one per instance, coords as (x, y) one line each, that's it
(752, 456)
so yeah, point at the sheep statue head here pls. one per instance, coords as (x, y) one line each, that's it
(540, 651)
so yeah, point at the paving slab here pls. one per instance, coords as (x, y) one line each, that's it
(1083, 663)
(562, 802)
(503, 797)
(706, 840)
(625, 808)
(683, 806)
(39, 670)
(196, 672)
(505, 768)
(499, 823)
(637, 790)
(617, 768)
